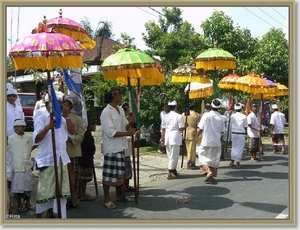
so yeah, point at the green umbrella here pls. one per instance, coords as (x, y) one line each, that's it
(215, 59)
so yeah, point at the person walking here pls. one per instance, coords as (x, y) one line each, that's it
(46, 192)
(21, 145)
(165, 110)
(115, 129)
(171, 137)
(239, 127)
(211, 127)
(86, 161)
(73, 148)
(254, 132)
(277, 123)
(191, 135)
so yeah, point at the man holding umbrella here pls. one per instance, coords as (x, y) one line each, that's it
(46, 193)
(115, 129)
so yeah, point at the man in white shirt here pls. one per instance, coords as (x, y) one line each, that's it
(211, 127)
(161, 115)
(115, 129)
(254, 132)
(46, 191)
(171, 137)
(238, 126)
(277, 123)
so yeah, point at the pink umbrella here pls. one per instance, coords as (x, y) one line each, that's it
(48, 51)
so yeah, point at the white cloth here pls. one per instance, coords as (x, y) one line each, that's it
(278, 120)
(13, 112)
(21, 182)
(161, 115)
(20, 147)
(9, 165)
(209, 156)
(39, 104)
(239, 122)
(44, 156)
(38, 112)
(212, 124)
(254, 120)
(173, 155)
(40, 208)
(237, 147)
(172, 123)
(111, 122)
(128, 151)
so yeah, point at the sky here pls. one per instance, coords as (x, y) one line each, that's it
(131, 20)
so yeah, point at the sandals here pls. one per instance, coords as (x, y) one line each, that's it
(109, 205)
(171, 176)
(231, 164)
(126, 199)
(87, 198)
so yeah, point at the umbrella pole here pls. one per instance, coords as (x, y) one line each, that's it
(133, 154)
(138, 143)
(229, 120)
(185, 124)
(260, 141)
(57, 190)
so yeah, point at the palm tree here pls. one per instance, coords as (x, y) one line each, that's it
(104, 30)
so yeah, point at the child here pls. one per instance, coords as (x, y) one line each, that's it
(21, 145)
(86, 161)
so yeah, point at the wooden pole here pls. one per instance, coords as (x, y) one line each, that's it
(186, 113)
(57, 189)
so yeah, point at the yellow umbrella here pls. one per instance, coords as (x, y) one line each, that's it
(200, 90)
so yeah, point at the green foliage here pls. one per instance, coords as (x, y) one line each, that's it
(273, 55)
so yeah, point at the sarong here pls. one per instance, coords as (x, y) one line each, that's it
(209, 159)
(278, 140)
(46, 196)
(86, 174)
(253, 144)
(237, 148)
(113, 169)
(128, 168)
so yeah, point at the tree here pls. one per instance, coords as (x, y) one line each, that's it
(104, 30)
(273, 56)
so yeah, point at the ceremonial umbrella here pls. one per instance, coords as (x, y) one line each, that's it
(254, 84)
(132, 67)
(47, 51)
(187, 74)
(199, 90)
(215, 59)
(228, 83)
(70, 28)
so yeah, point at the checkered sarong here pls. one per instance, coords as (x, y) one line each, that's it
(113, 169)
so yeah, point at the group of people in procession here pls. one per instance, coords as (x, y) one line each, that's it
(200, 134)
(203, 135)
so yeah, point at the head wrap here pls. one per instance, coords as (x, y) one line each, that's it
(172, 103)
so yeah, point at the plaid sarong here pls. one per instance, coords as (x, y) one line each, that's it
(113, 169)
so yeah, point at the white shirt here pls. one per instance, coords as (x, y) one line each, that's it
(20, 147)
(172, 122)
(278, 120)
(238, 123)
(254, 120)
(212, 124)
(44, 156)
(161, 115)
(13, 112)
(112, 122)
(38, 105)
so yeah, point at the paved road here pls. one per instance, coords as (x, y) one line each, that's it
(257, 191)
